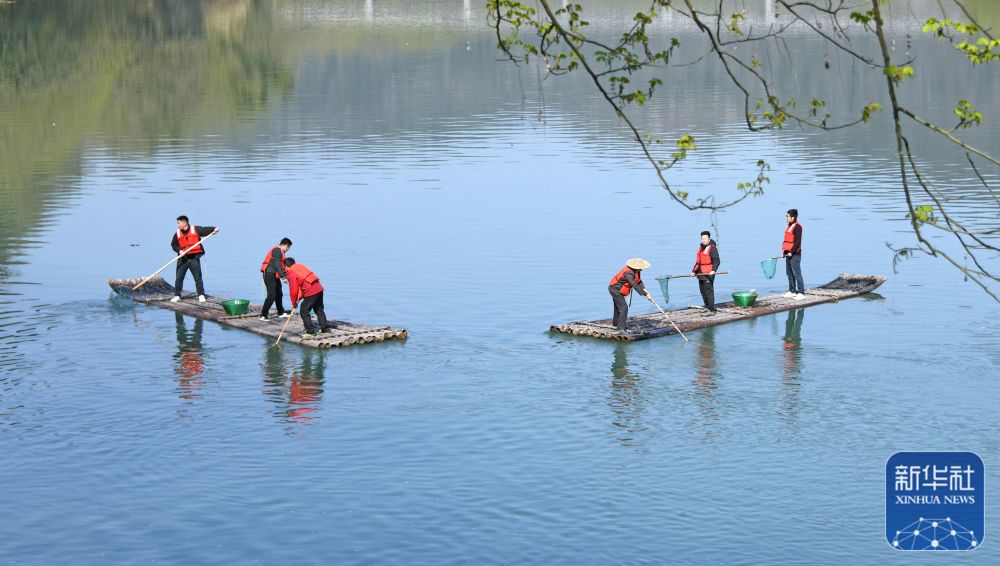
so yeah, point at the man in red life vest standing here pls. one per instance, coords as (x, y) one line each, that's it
(791, 248)
(627, 278)
(188, 235)
(273, 268)
(303, 283)
(706, 263)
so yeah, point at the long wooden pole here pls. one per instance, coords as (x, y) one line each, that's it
(180, 255)
(287, 320)
(691, 275)
(671, 322)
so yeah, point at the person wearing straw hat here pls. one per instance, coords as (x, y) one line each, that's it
(188, 237)
(706, 263)
(627, 278)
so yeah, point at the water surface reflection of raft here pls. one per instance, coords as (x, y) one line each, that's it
(158, 293)
(655, 324)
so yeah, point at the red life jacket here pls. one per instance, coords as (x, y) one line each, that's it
(626, 288)
(786, 245)
(185, 241)
(306, 280)
(267, 260)
(704, 259)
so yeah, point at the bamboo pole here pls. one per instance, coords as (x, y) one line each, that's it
(282, 333)
(166, 265)
(671, 322)
(691, 275)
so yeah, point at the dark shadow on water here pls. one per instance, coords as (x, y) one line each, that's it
(189, 361)
(706, 381)
(625, 399)
(293, 381)
(791, 364)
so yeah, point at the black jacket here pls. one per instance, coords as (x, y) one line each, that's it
(202, 231)
(274, 264)
(797, 234)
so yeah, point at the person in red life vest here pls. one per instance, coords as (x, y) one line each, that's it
(303, 283)
(706, 263)
(627, 278)
(791, 248)
(273, 268)
(188, 235)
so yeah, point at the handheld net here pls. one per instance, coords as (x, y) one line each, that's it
(664, 281)
(769, 266)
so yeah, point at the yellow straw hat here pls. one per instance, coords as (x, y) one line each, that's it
(638, 263)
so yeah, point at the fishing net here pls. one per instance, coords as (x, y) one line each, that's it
(769, 266)
(664, 287)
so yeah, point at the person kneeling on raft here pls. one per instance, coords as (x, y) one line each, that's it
(628, 278)
(303, 283)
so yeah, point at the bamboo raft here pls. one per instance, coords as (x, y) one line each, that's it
(158, 293)
(655, 324)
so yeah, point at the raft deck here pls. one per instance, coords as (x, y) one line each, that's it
(158, 293)
(655, 324)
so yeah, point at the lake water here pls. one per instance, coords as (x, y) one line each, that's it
(435, 187)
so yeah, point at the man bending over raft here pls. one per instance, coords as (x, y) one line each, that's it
(303, 283)
(188, 235)
(621, 286)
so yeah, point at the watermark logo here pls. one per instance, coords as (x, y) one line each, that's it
(934, 501)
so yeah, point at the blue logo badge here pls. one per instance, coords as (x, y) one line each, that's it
(934, 501)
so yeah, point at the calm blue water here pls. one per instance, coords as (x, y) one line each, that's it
(414, 175)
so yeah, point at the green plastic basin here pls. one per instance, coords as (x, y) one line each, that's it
(744, 298)
(236, 306)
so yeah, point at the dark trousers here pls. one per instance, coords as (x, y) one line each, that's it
(793, 267)
(183, 265)
(621, 309)
(313, 303)
(706, 284)
(274, 294)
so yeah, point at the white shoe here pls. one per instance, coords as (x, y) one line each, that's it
(201, 298)
(265, 319)
(284, 315)
(176, 299)
(788, 295)
(800, 296)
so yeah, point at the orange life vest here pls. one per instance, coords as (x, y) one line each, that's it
(704, 259)
(786, 245)
(626, 288)
(185, 241)
(267, 260)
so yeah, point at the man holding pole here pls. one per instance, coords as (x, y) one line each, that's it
(304, 284)
(706, 263)
(187, 244)
(627, 278)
